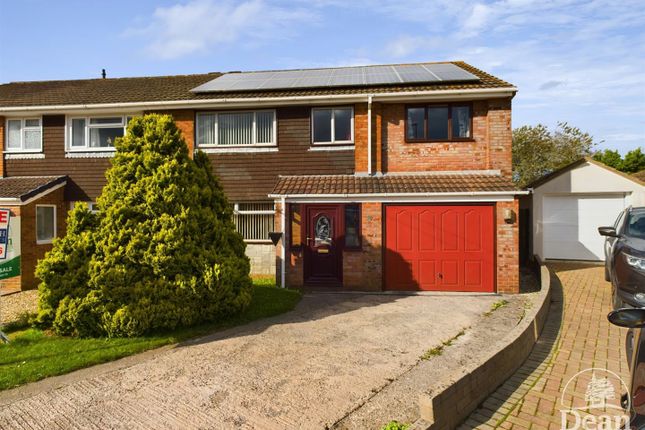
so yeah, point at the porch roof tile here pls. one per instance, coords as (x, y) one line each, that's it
(393, 184)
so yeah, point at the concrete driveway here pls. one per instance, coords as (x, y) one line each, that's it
(305, 369)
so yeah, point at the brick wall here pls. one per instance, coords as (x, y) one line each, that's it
(30, 251)
(489, 149)
(360, 137)
(363, 270)
(508, 245)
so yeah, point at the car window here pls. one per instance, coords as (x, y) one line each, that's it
(636, 225)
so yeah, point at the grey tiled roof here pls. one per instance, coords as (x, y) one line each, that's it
(25, 187)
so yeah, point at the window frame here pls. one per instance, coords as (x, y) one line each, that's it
(333, 128)
(23, 129)
(238, 212)
(69, 132)
(217, 113)
(426, 138)
(359, 228)
(46, 241)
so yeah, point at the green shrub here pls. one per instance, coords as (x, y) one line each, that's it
(395, 425)
(163, 251)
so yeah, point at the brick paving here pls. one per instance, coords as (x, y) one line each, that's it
(576, 336)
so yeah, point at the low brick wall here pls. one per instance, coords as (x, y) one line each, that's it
(447, 408)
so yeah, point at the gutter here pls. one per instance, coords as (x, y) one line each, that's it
(477, 93)
(369, 134)
(439, 194)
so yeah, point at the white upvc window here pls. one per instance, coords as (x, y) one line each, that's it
(91, 206)
(24, 135)
(254, 220)
(45, 223)
(332, 125)
(95, 133)
(237, 128)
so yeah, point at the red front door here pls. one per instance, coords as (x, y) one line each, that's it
(323, 247)
(439, 248)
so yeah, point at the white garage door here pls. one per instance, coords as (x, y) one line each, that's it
(571, 225)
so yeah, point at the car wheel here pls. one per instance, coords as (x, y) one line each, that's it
(607, 276)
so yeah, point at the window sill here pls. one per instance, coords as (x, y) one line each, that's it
(470, 140)
(332, 147)
(90, 154)
(237, 149)
(257, 242)
(44, 242)
(24, 155)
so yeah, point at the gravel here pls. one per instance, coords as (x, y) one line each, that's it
(13, 305)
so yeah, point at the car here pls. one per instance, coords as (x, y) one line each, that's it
(633, 401)
(625, 258)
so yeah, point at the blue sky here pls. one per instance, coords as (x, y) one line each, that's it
(580, 62)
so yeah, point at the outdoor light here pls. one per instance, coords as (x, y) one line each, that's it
(275, 237)
(509, 216)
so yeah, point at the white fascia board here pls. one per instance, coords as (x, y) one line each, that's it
(484, 196)
(466, 94)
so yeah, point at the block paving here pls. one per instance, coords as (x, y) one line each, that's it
(576, 336)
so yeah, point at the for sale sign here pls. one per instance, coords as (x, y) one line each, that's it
(9, 244)
(5, 215)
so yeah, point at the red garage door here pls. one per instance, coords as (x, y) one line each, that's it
(439, 248)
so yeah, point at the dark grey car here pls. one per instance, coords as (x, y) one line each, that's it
(625, 258)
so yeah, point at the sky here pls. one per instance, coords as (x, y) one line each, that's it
(572, 61)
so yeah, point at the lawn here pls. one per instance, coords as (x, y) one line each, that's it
(34, 354)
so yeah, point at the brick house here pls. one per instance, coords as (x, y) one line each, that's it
(378, 177)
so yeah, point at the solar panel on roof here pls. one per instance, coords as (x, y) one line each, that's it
(338, 77)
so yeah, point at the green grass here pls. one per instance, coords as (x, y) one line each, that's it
(495, 306)
(395, 425)
(438, 350)
(35, 354)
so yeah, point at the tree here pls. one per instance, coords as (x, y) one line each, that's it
(537, 151)
(610, 158)
(166, 250)
(634, 161)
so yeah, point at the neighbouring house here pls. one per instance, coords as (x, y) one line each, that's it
(393, 177)
(570, 204)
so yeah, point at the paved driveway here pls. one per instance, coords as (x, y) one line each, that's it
(305, 369)
(577, 336)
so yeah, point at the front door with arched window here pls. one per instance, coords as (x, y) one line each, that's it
(323, 247)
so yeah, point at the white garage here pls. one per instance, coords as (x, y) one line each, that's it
(569, 205)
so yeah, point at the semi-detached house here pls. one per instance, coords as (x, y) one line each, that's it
(393, 177)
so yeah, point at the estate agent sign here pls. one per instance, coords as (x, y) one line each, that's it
(9, 245)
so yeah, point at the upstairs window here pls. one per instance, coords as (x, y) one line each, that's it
(95, 133)
(246, 128)
(24, 135)
(438, 123)
(332, 125)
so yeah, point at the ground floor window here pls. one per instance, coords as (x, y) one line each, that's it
(254, 220)
(45, 223)
(352, 226)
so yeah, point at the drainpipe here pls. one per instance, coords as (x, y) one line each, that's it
(369, 134)
(283, 252)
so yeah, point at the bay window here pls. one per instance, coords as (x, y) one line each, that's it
(95, 133)
(332, 125)
(24, 135)
(243, 128)
(438, 123)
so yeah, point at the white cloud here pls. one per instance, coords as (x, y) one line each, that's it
(200, 26)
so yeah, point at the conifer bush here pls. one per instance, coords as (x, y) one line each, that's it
(161, 253)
